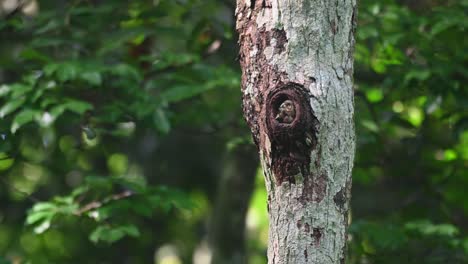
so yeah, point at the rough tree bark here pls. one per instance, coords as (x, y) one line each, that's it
(297, 65)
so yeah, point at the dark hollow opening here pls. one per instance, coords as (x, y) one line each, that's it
(280, 99)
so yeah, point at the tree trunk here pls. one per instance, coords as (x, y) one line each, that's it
(227, 235)
(297, 65)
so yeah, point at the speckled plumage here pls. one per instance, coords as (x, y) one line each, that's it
(286, 112)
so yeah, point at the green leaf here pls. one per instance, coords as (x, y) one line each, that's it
(100, 183)
(37, 94)
(425, 227)
(131, 230)
(126, 71)
(370, 125)
(43, 206)
(22, 118)
(50, 69)
(35, 217)
(418, 74)
(48, 101)
(374, 95)
(5, 163)
(171, 59)
(111, 234)
(79, 107)
(56, 111)
(32, 54)
(93, 78)
(11, 106)
(443, 25)
(415, 116)
(44, 226)
(63, 200)
(161, 121)
(20, 89)
(450, 155)
(4, 90)
(50, 26)
(79, 191)
(67, 71)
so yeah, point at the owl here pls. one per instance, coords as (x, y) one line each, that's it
(286, 112)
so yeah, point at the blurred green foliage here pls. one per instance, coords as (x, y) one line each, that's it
(114, 115)
(411, 173)
(94, 100)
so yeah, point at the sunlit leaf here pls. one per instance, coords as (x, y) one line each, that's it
(161, 121)
(79, 107)
(374, 95)
(450, 154)
(44, 226)
(427, 228)
(415, 116)
(4, 90)
(93, 78)
(370, 125)
(6, 163)
(22, 118)
(111, 234)
(35, 217)
(11, 106)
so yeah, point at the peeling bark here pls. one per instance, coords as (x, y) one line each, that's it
(297, 66)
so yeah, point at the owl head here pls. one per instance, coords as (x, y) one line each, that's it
(286, 112)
